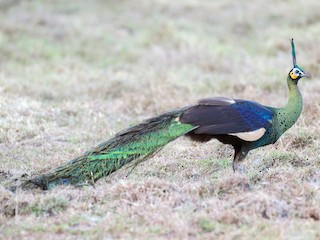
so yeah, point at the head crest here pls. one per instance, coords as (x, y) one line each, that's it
(293, 53)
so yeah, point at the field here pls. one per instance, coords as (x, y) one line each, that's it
(73, 73)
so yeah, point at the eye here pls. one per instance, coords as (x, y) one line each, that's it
(296, 71)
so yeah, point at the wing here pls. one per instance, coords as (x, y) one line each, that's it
(215, 116)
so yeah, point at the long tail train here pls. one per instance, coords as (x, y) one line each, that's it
(135, 143)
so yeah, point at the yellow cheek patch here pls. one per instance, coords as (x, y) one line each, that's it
(293, 76)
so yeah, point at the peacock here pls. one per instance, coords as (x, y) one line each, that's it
(246, 125)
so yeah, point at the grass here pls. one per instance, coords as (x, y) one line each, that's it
(74, 73)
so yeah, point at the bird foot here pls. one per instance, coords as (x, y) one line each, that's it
(238, 167)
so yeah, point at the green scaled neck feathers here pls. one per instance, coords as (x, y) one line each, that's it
(289, 114)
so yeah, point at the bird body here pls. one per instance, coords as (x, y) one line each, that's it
(244, 124)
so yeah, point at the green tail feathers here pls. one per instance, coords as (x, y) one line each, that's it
(135, 143)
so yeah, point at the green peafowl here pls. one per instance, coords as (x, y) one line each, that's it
(244, 124)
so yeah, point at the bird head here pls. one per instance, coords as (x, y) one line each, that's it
(296, 72)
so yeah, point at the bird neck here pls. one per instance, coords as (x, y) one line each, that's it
(289, 114)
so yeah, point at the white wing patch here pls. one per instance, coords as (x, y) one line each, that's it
(250, 136)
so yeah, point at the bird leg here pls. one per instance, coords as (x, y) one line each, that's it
(239, 156)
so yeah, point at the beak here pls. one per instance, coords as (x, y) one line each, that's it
(307, 75)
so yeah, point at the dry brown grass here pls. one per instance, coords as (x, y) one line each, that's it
(73, 73)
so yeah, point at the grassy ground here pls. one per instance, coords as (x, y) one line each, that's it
(73, 73)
